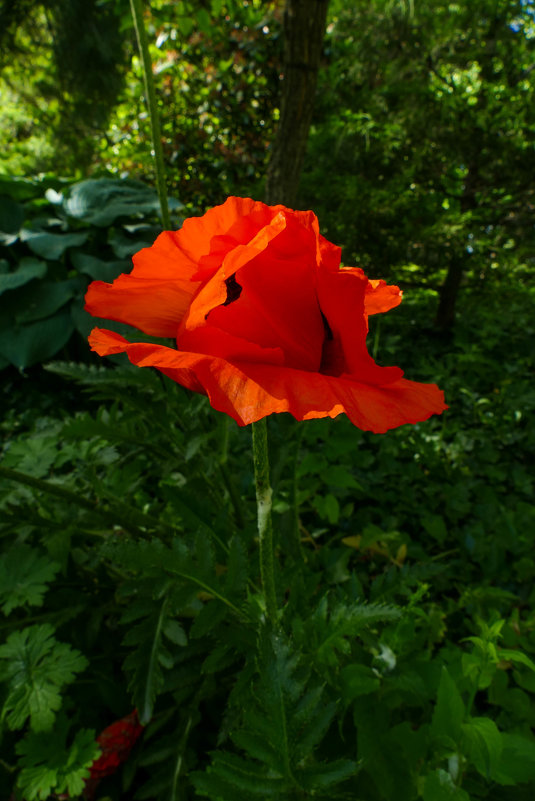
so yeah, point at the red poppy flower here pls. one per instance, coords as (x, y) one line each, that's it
(264, 318)
(116, 742)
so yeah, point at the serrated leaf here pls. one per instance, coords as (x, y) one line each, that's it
(449, 711)
(517, 657)
(50, 765)
(517, 761)
(284, 721)
(439, 786)
(482, 744)
(24, 575)
(326, 631)
(357, 680)
(174, 632)
(36, 667)
(145, 663)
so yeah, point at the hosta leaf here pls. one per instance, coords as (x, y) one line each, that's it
(38, 341)
(51, 246)
(100, 201)
(27, 270)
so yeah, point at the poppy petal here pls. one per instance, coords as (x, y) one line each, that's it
(247, 392)
(381, 297)
(277, 305)
(154, 296)
(341, 296)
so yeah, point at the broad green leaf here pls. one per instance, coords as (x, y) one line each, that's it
(517, 762)
(51, 765)
(98, 269)
(11, 215)
(439, 786)
(35, 342)
(482, 744)
(24, 575)
(100, 201)
(38, 301)
(449, 710)
(51, 246)
(36, 667)
(28, 269)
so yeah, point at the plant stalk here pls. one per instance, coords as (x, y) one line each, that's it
(150, 95)
(265, 524)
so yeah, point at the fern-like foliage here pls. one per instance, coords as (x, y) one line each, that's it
(284, 721)
(168, 582)
(36, 667)
(24, 576)
(103, 377)
(52, 765)
(150, 614)
(327, 633)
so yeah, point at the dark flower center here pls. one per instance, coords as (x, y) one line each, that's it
(233, 290)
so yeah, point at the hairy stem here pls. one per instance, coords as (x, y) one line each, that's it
(265, 525)
(150, 94)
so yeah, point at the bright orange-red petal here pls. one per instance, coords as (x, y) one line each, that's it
(277, 306)
(341, 296)
(154, 296)
(247, 392)
(381, 297)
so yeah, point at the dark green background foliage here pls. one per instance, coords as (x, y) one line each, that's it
(406, 661)
(405, 664)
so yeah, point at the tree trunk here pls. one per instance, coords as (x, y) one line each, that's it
(449, 292)
(304, 30)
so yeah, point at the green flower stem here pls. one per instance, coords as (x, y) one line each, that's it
(265, 525)
(150, 94)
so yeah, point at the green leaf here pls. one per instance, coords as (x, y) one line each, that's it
(284, 720)
(482, 744)
(449, 711)
(340, 476)
(358, 680)
(36, 667)
(42, 300)
(51, 246)
(145, 663)
(439, 786)
(517, 657)
(99, 201)
(36, 342)
(97, 268)
(11, 215)
(51, 765)
(27, 270)
(24, 575)
(325, 633)
(517, 762)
